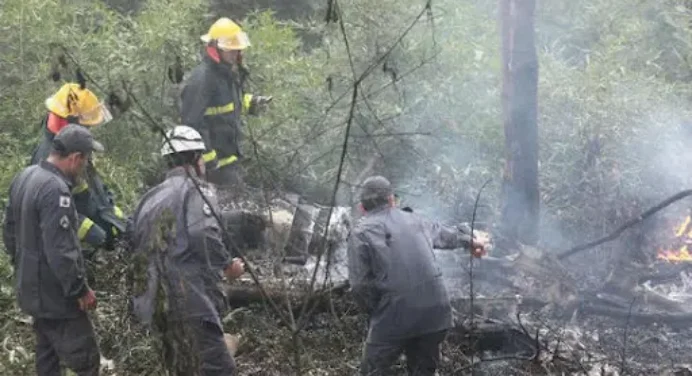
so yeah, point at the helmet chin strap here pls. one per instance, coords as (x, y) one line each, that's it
(198, 169)
(213, 51)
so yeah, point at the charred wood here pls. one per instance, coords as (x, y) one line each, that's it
(665, 276)
(301, 232)
(520, 194)
(636, 317)
(239, 295)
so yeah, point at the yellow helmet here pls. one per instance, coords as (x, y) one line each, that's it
(71, 100)
(227, 34)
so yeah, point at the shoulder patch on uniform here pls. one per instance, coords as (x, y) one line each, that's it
(206, 209)
(65, 222)
(64, 201)
(208, 192)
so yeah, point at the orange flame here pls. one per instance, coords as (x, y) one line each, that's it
(683, 234)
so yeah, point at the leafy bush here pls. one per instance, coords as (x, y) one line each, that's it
(111, 48)
(613, 92)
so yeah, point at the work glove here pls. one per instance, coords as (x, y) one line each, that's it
(259, 103)
(261, 100)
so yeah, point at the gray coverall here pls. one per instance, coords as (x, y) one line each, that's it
(40, 234)
(395, 279)
(177, 247)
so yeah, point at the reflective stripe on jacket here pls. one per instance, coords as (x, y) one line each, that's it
(94, 203)
(212, 102)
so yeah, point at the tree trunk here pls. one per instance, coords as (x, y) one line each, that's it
(520, 201)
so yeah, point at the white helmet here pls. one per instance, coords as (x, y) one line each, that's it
(182, 138)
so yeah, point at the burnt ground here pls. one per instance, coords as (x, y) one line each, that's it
(580, 342)
(331, 342)
(509, 338)
(510, 335)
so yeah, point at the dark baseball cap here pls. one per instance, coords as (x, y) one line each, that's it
(376, 188)
(76, 139)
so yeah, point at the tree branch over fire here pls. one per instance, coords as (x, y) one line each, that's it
(613, 235)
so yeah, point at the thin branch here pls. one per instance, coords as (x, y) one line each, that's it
(394, 134)
(342, 158)
(227, 239)
(471, 257)
(354, 100)
(612, 236)
(76, 63)
(623, 363)
(403, 75)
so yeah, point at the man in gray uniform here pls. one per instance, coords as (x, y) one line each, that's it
(395, 279)
(40, 234)
(177, 247)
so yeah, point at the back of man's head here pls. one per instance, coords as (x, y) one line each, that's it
(74, 138)
(376, 192)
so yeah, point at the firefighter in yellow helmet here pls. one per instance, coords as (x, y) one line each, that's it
(74, 103)
(213, 99)
(100, 220)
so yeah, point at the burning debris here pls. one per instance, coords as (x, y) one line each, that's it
(679, 251)
(528, 311)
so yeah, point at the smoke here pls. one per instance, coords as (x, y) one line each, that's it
(613, 133)
(444, 119)
(660, 152)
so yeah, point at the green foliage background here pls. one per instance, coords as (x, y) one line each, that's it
(613, 103)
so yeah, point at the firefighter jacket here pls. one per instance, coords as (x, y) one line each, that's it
(177, 251)
(100, 220)
(394, 276)
(212, 101)
(40, 235)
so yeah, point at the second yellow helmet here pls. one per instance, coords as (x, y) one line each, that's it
(227, 34)
(72, 100)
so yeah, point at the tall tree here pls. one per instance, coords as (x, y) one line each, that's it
(520, 201)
